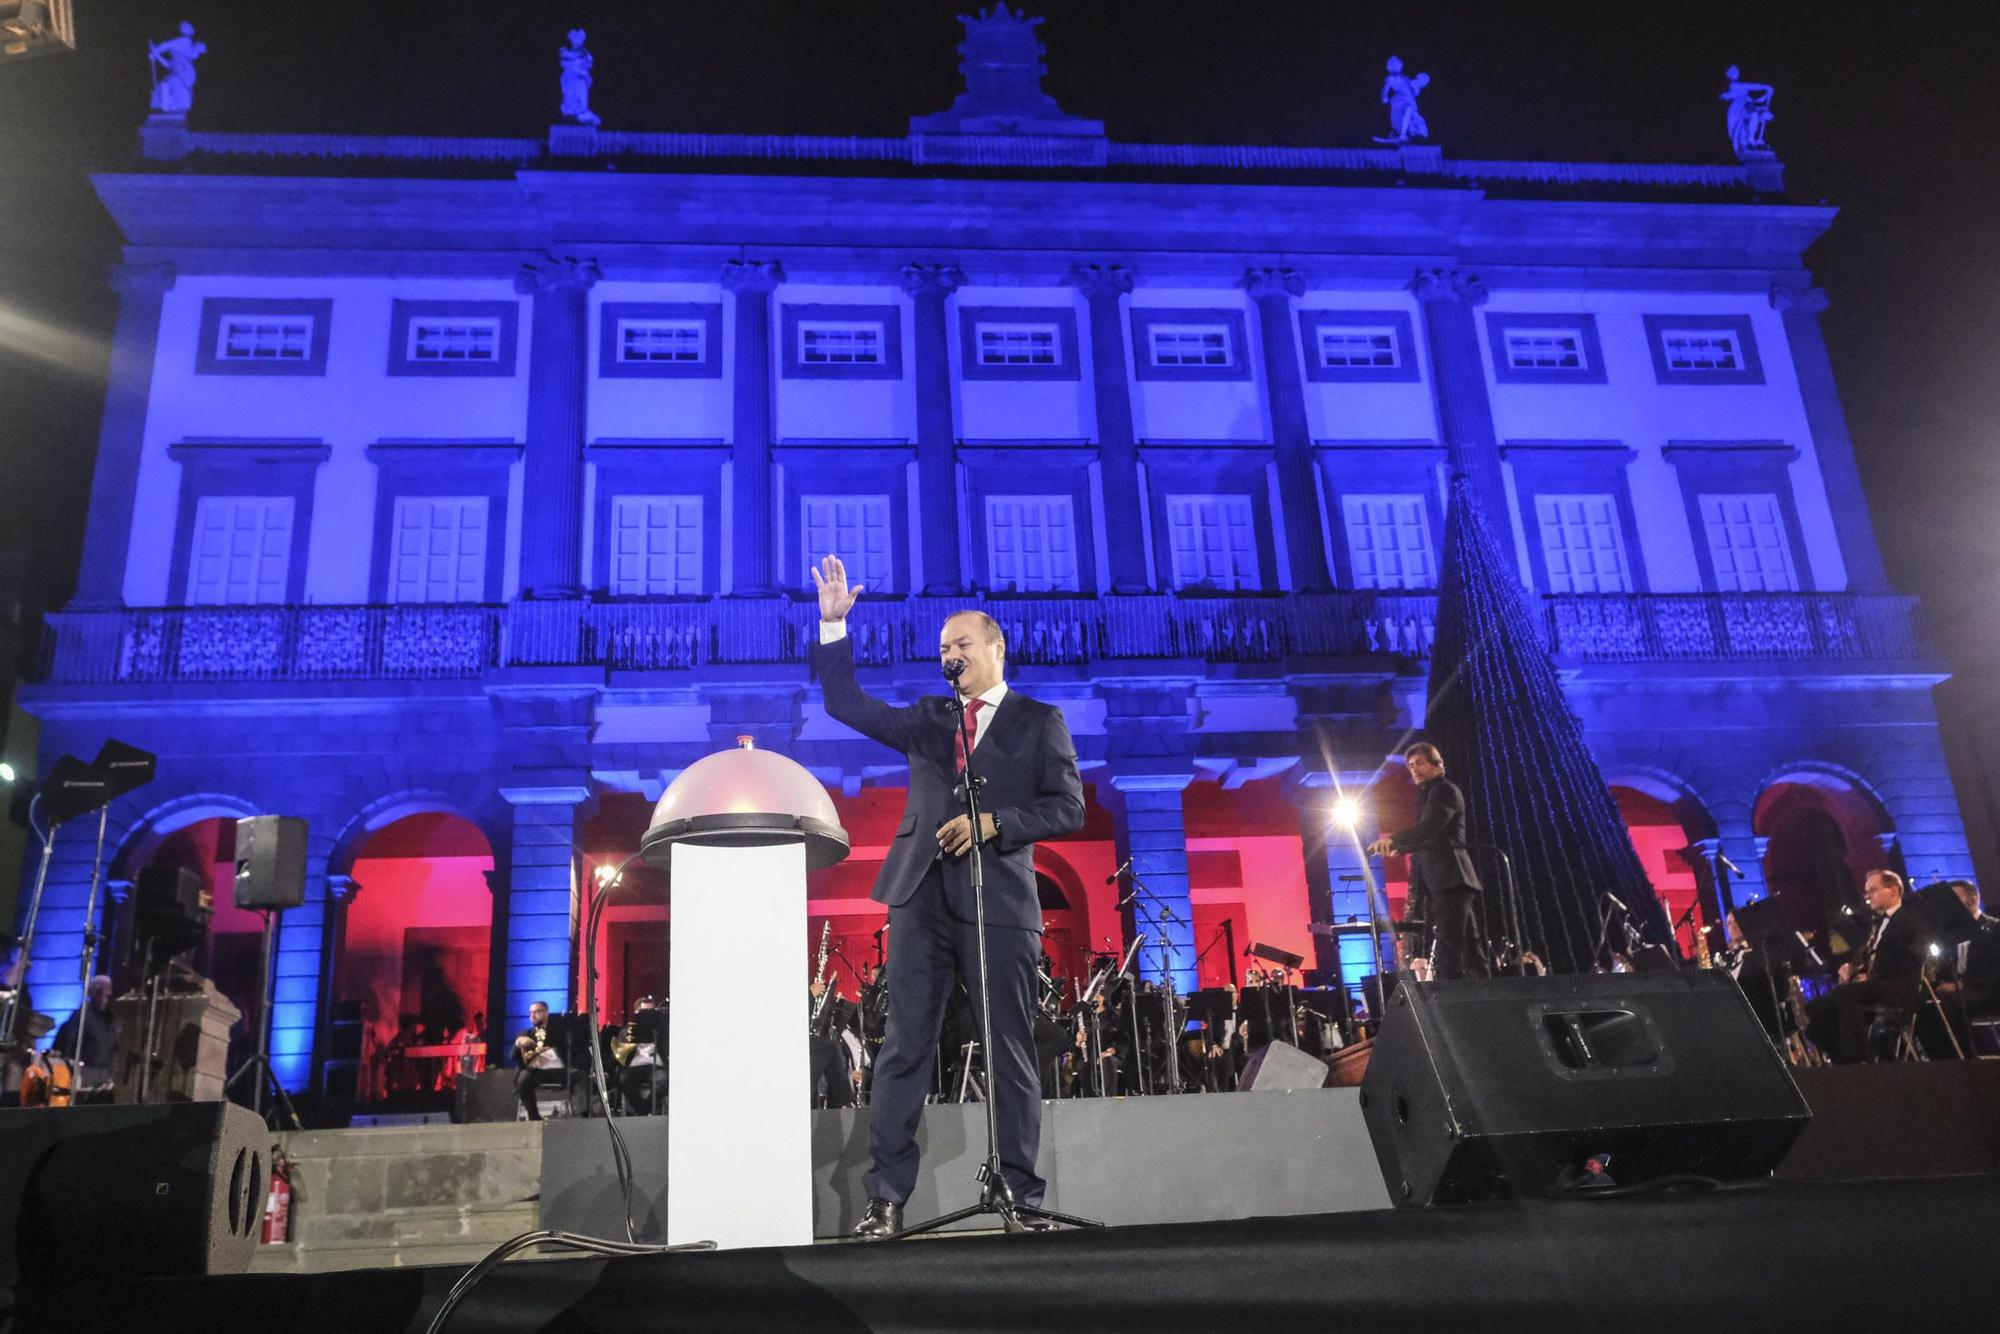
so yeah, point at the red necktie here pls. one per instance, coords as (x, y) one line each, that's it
(972, 709)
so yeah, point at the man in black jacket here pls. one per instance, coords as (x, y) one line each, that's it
(1021, 749)
(1441, 870)
(1886, 971)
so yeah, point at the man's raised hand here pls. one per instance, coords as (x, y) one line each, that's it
(836, 599)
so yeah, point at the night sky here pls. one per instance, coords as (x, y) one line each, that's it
(1888, 111)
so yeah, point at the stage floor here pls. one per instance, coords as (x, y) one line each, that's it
(1782, 1256)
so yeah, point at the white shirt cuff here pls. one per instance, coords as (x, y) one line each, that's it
(832, 632)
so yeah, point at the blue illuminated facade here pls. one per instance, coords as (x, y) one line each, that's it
(485, 480)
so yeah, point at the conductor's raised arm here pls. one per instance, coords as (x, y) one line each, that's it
(833, 663)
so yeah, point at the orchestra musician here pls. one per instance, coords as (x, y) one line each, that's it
(540, 1063)
(100, 1041)
(1441, 871)
(641, 1050)
(1886, 971)
(1031, 791)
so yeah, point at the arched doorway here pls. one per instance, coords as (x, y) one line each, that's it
(1825, 833)
(415, 950)
(1663, 821)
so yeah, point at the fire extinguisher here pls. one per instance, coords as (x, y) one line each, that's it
(278, 1204)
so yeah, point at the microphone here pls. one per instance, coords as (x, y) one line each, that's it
(1123, 867)
(1612, 899)
(1728, 865)
(953, 668)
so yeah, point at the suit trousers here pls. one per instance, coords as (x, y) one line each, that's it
(929, 949)
(1460, 951)
(1837, 1022)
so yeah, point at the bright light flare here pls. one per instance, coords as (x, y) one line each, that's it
(1346, 812)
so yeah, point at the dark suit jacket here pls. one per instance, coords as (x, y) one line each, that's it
(1438, 861)
(1904, 946)
(1029, 764)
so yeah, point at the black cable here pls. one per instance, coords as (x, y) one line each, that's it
(559, 1240)
(596, 900)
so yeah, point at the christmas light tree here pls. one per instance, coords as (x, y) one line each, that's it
(1513, 744)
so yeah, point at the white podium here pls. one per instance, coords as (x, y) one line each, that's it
(735, 834)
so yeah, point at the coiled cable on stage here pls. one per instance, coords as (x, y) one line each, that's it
(597, 898)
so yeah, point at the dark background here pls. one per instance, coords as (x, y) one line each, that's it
(1888, 111)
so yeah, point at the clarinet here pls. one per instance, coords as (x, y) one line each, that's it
(819, 976)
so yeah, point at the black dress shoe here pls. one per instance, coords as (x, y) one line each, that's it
(883, 1219)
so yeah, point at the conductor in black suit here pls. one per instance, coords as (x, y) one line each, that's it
(1441, 869)
(1022, 750)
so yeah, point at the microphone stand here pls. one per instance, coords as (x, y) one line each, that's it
(1511, 919)
(995, 1196)
(11, 1018)
(1085, 1003)
(90, 943)
(1158, 916)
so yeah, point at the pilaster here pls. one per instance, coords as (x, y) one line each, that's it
(1458, 385)
(558, 383)
(930, 286)
(1152, 836)
(751, 282)
(107, 533)
(1104, 287)
(1291, 436)
(541, 897)
(1800, 309)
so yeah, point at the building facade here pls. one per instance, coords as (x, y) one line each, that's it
(456, 494)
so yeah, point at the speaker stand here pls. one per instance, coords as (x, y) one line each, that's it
(263, 1082)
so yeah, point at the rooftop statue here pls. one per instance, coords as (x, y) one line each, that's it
(576, 63)
(172, 65)
(1749, 112)
(1001, 59)
(1400, 92)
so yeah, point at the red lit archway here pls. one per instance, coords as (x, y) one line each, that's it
(1663, 820)
(415, 950)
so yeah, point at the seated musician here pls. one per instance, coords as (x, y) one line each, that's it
(642, 1050)
(1887, 971)
(540, 1063)
(835, 1065)
(1977, 959)
(100, 1041)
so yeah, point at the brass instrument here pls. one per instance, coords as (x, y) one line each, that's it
(625, 1045)
(1798, 1047)
(819, 976)
(1703, 958)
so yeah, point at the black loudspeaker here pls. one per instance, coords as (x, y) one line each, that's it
(1484, 1089)
(91, 1194)
(1283, 1067)
(270, 862)
(486, 1096)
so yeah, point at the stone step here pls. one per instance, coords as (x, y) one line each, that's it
(406, 1237)
(400, 1140)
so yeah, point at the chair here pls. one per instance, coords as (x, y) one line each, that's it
(1894, 1028)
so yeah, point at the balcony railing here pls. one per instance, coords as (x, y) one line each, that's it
(312, 643)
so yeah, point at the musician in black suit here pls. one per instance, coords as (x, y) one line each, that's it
(536, 1053)
(1441, 870)
(1022, 750)
(1886, 971)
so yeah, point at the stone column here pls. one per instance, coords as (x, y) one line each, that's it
(937, 484)
(752, 282)
(1458, 385)
(107, 533)
(1800, 308)
(1102, 286)
(1273, 290)
(541, 899)
(558, 385)
(1151, 832)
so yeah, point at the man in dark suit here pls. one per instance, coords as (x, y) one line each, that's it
(1886, 971)
(1022, 750)
(1441, 870)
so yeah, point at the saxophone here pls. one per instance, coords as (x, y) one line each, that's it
(1703, 957)
(819, 976)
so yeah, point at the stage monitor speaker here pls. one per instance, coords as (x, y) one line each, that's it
(1484, 1089)
(486, 1096)
(89, 1194)
(270, 862)
(1281, 1067)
